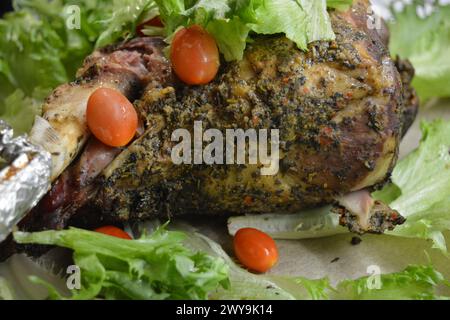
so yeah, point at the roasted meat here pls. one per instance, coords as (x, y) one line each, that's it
(341, 108)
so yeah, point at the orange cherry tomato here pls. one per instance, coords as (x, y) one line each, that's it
(255, 249)
(111, 117)
(194, 55)
(155, 22)
(113, 231)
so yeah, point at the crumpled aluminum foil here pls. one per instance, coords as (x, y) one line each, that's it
(23, 181)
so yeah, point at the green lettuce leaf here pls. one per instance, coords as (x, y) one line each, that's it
(279, 16)
(420, 188)
(102, 22)
(156, 266)
(413, 283)
(19, 111)
(187, 265)
(426, 43)
(341, 5)
(302, 21)
(232, 47)
(318, 289)
(319, 24)
(30, 66)
(31, 54)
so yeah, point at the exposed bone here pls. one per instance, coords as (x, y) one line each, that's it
(362, 214)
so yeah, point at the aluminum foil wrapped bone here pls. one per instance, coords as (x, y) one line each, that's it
(24, 177)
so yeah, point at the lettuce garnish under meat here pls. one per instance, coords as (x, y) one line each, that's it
(187, 265)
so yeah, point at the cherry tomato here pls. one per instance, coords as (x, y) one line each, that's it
(255, 249)
(155, 22)
(194, 55)
(113, 231)
(111, 117)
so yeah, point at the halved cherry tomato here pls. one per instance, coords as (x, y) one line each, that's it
(194, 55)
(111, 117)
(255, 249)
(155, 22)
(113, 231)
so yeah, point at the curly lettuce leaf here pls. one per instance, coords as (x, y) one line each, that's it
(413, 283)
(302, 21)
(31, 54)
(226, 20)
(420, 188)
(30, 66)
(19, 111)
(102, 22)
(123, 16)
(156, 266)
(187, 265)
(426, 43)
(232, 47)
(279, 16)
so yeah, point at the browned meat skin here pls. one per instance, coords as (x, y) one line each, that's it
(406, 70)
(339, 108)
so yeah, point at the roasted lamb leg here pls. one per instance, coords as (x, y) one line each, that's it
(341, 108)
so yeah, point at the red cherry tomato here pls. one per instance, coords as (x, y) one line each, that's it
(113, 231)
(255, 249)
(155, 22)
(111, 117)
(194, 55)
